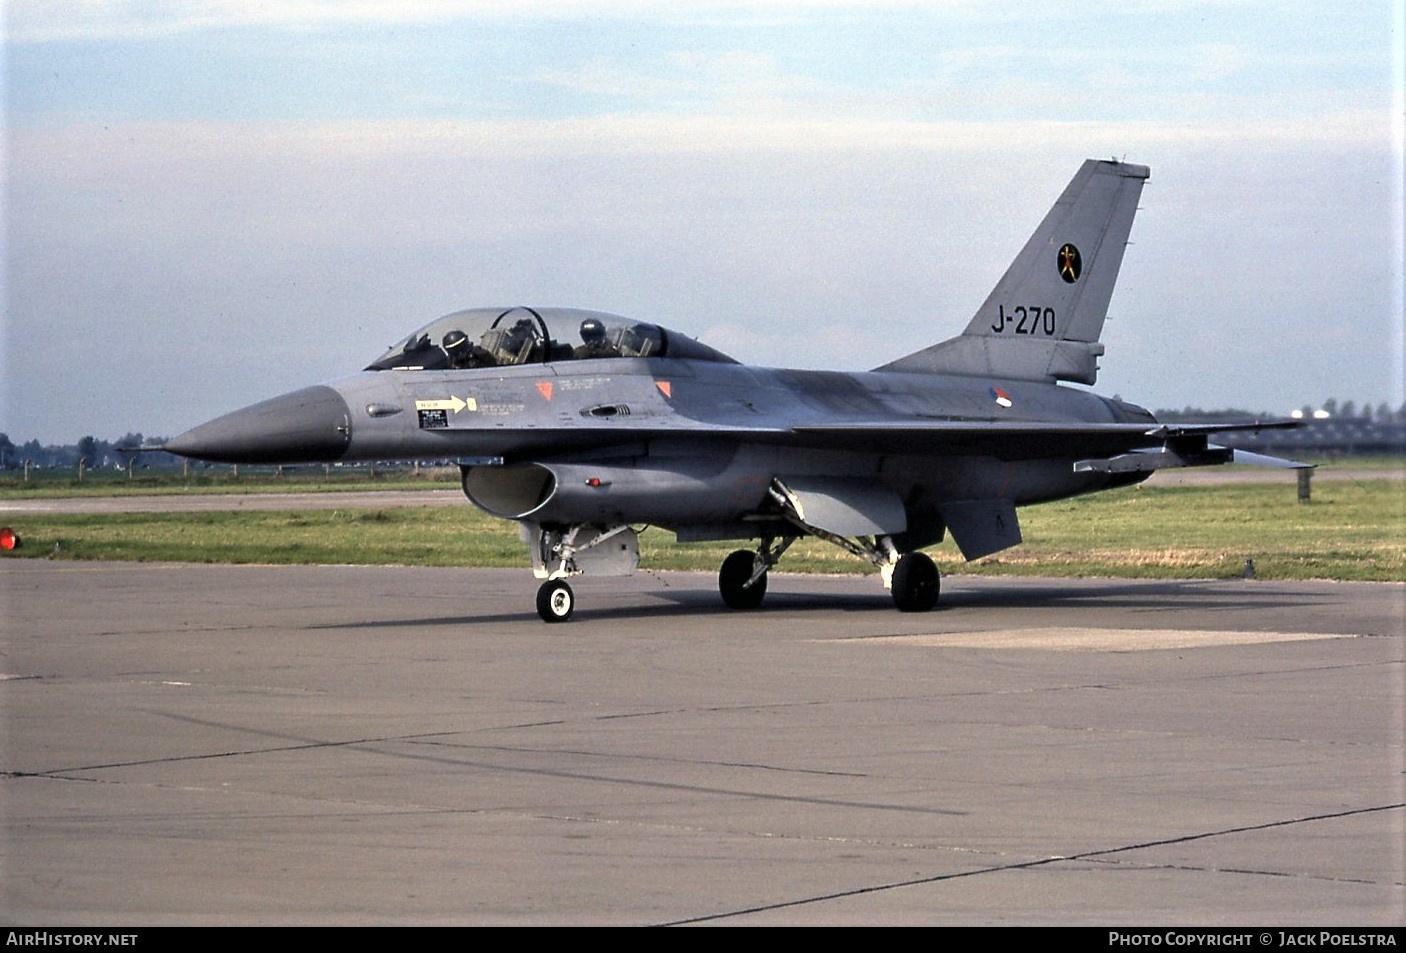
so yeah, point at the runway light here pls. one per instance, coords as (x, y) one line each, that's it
(8, 539)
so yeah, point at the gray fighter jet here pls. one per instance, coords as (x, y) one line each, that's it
(582, 425)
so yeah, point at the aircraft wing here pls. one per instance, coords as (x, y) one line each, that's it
(1095, 447)
(1105, 447)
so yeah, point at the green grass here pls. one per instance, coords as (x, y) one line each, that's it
(62, 484)
(415, 536)
(1350, 530)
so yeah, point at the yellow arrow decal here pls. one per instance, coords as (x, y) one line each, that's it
(453, 403)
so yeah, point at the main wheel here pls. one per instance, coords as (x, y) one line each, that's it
(915, 583)
(555, 601)
(732, 579)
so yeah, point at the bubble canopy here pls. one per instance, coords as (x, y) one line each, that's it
(504, 337)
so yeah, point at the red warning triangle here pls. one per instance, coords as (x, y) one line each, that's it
(545, 389)
(665, 388)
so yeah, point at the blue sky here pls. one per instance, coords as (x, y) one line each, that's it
(210, 203)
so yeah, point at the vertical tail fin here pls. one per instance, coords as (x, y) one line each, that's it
(1044, 317)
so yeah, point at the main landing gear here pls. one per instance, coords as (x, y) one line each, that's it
(911, 577)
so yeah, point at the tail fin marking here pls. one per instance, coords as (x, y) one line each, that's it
(1043, 319)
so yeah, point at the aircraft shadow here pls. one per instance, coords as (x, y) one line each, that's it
(1141, 595)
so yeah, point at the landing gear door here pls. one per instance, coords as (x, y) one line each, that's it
(570, 551)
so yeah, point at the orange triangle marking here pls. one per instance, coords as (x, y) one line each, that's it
(665, 388)
(545, 389)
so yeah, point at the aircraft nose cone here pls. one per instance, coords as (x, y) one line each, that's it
(312, 425)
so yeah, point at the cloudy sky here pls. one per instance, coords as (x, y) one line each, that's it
(209, 203)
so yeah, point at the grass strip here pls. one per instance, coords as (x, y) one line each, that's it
(1351, 530)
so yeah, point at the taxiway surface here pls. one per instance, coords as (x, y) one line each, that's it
(192, 744)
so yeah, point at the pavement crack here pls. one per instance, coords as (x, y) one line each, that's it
(1094, 855)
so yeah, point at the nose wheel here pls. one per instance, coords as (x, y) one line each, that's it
(555, 601)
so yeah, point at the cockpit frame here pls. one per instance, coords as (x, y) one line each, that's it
(507, 337)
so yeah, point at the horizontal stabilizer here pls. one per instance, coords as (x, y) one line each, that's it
(1254, 426)
(1170, 456)
(1278, 463)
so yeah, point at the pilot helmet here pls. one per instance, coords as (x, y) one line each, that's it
(454, 340)
(592, 331)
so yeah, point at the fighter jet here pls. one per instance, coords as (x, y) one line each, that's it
(582, 425)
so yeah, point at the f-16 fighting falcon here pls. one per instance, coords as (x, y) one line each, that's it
(582, 425)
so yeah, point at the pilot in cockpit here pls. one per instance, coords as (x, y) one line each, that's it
(464, 353)
(593, 341)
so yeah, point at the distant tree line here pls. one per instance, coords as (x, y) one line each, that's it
(1346, 410)
(89, 452)
(1331, 430)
